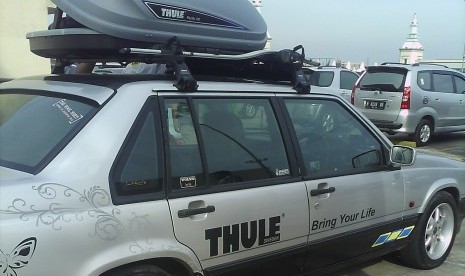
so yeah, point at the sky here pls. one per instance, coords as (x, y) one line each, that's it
(369, 31)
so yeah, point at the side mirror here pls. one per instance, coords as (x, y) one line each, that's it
(402, 155)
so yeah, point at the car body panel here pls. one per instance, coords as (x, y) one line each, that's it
(66, 211)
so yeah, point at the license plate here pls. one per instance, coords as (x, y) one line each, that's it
(375, 105)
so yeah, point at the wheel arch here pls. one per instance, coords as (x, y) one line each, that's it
(447, 185)
(167, 255)
(171, 265)
(431, 119)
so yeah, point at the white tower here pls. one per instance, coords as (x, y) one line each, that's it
(412, 50)
(258, 5)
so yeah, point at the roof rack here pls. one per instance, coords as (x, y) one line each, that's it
(429, 63)
(271, 66)
(284, 65)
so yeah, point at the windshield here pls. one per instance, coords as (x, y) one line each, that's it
(34, 128)
(384, 79)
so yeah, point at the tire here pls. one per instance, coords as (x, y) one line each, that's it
(139, 270)
(434, 234)
(423, 133)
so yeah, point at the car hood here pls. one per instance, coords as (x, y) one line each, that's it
(433, 159)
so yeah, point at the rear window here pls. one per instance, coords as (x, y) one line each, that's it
(384, 79)
(34, 128)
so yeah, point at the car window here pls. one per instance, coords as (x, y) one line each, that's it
(385, 79)
(321, 78)
(137, 169)
(459, 84)
(443, 83)
(185, 162)
(348, 80)
(40, 124)
(242, 140)
(424, 80)
(331, 140)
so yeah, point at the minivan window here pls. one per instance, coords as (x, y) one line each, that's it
(460, 84)
(385, 79)
(443, 83)
(322, 78)
(424, 80)
(348, 80)
(40, 124)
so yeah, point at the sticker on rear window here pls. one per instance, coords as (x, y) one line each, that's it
(69, 113)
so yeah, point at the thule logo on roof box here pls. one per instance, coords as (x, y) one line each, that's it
(171, 13)
(190, 16)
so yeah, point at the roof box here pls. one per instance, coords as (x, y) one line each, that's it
(100, 27)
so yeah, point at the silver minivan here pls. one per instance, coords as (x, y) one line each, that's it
(419, 99)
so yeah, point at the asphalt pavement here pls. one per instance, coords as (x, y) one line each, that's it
(449, 144)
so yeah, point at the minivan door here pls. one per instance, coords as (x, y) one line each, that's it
(235, 198)
(378, 93)
(354, 197)
(460, 90)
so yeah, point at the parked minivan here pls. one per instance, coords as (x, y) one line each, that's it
(419, 99)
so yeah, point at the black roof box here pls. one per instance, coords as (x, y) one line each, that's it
(100, 28)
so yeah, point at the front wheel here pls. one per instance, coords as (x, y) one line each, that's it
(434, 235)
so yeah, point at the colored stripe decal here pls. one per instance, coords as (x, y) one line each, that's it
(392, 236)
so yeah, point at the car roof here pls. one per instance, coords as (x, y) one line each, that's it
(413, 67)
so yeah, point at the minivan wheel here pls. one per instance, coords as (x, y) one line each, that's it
(434, 234)
(423, 133)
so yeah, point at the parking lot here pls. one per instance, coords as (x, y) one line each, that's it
(451, 145)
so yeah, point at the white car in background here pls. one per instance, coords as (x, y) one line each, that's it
(332, 80)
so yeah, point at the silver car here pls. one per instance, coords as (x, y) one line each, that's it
(419, 99)
(332, 80)
(94, 181)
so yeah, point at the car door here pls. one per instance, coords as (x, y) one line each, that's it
(460, 103)
(443, 99)
(354, 197)
(235, 194)
(346, 83)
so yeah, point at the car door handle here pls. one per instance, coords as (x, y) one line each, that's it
(317, 192)
(184, 213)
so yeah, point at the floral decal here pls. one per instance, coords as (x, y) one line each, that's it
(62, 204)
(18, 258)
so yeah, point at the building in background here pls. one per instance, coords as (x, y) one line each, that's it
(412, 50)
(17, 18)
